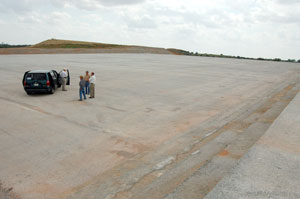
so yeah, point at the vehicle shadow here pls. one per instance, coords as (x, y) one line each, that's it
(38, 94)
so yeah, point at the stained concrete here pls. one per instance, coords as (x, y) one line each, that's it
(271, 168)
(53, 146)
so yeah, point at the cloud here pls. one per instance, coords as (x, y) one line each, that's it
(288, 2)
(31, 5)
(18, 6)
(96, 4)
(236, 27)
(92, 5)
(120, 2)
(144, 22)
(293, 18)
(31, 18)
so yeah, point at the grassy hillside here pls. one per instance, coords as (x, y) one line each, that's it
(69, 46)
(55, 43)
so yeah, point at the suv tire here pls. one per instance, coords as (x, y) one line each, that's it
(51, 91)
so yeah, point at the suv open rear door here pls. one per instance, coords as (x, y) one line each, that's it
(57, 78)
(68, 81)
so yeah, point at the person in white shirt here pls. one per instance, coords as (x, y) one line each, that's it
(63, 76)
(92, 85)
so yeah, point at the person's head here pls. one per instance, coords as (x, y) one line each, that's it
(93, 73)
(87, 72)
(65, 69)
(81, 77)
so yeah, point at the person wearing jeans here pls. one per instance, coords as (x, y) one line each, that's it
(87, 82)
(81, 88)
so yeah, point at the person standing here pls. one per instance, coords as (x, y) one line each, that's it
(92, 85)
(81, 88)
(63, 76)
(87, 82)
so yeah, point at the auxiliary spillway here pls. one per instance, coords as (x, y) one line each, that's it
(155, 122)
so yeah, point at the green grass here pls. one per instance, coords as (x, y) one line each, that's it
(53, 43)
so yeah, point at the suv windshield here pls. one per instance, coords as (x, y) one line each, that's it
(36, 76)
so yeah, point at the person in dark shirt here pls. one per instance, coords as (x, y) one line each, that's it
(81, 88)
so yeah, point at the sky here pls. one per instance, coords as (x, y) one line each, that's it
(251, 28)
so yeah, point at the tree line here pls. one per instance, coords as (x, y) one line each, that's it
(183, 52)
(5, 45)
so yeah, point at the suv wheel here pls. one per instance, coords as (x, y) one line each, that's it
(28, 93)
(51, 91)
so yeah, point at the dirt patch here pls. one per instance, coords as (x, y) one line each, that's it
(224, 153)
(7, 193)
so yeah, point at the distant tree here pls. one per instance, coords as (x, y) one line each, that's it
(291, 60)
(299, 61)
(277, 59)
(5, 45)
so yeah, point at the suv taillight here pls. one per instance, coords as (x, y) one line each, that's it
(24, 83)
(48, 83)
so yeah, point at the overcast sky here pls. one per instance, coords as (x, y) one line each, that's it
(252, 28)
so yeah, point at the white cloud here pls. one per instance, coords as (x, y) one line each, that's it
(267, 28)
(288, 2)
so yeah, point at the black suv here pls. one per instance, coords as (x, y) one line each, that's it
(42, 81)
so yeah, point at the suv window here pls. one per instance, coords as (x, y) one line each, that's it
(53, 75)
(36, 76)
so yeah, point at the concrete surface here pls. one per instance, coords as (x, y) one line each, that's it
(271, 168)
(236, 137)
(147, 111)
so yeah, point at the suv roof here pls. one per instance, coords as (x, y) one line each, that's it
(40, 71)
